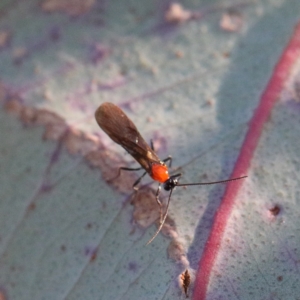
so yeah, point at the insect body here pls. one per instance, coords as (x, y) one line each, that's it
(121, 130)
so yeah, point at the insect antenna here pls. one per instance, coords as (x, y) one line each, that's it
(185, 184)
(212, 182)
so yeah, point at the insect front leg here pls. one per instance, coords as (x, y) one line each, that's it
(176, 178)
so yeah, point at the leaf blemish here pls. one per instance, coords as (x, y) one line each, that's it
(145, 207)
(275, 210)
(186, 280)
(132, 266)
(91, 252)
(2, 296)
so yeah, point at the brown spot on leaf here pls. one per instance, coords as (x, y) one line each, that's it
(275, 210)
(226, 54)
(185, 281)
(18, 54)
(71, 7)
(55, 131)
(179, 54)
(28, 115)
(109, 164)
(3, 92)
(279, 278)
(176, 250)
(45, 117)
(55, 125)
(88, 226)
(5, 37)
(93, 256)
(2, 296)
(13, 107)
(81, 143)
(146, 209)
(31, 206)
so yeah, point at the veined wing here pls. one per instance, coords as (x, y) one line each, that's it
(121, 130)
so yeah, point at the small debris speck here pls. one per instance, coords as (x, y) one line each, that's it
(185, 282)
(231, 21)
(177, 14)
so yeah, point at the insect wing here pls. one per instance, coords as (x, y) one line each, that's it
(121, 130)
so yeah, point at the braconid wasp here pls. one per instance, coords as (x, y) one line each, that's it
(121, 130)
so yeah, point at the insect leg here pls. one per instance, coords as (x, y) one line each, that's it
(176, 176)
(151, 145)
(132, 169)
(158, 202)
(169, 158)
(125, 169)
(138, 181)
(162, 221)
(129, 169)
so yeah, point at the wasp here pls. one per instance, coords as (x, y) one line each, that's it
(122, 131)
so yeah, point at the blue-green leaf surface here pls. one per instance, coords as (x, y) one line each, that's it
(65, 233)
